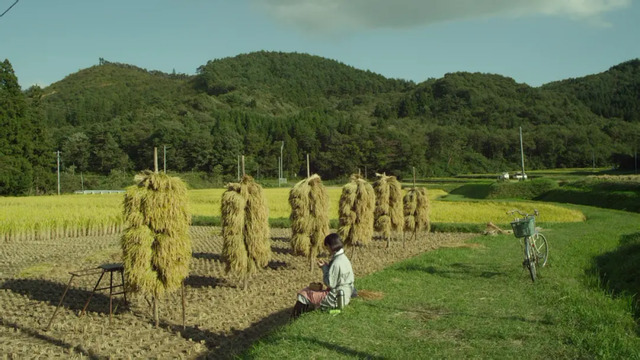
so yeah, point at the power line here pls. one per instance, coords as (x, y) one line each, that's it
(6, 11)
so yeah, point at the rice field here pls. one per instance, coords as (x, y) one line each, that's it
(48, 217)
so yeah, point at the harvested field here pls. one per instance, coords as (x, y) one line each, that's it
(221, 319)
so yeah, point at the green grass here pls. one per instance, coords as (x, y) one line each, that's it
(530, 189)
(469, 191)
(478, 302)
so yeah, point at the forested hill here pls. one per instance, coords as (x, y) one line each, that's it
(110, 116)
(299, 80)
(613, 93)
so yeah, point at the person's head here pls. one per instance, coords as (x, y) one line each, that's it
(333, 242)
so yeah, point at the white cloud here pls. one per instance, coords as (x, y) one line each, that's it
(335, 15)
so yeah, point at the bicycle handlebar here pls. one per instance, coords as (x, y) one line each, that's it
(535, 212)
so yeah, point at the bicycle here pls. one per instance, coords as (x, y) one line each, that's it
(536, 248)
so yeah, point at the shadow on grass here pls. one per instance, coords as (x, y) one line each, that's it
(339, 349)
(455, 270)
(231, 344)
(618, 271)
(472, 191)
(207, 256)
(281, 250)
(51, 340)
(281, 238)
(51, 292)
(197, 281)
(277, 265)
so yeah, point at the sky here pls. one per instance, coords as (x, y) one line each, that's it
(531, 41)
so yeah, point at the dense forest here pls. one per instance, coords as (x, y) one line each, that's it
(107, 119)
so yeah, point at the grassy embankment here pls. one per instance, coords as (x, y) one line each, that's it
(477, 302)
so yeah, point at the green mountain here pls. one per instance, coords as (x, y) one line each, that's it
(277, 80)
(110, 116)
(614, 93)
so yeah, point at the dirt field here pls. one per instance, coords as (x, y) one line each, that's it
(221, 319)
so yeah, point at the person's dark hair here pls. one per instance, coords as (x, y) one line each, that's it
(333, 241)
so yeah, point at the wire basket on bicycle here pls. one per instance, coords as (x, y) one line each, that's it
(524, 227)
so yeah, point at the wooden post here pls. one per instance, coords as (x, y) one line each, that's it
(184, 327)
(308, 169)
(164, 159)
(155, 160)
(58, 153)
(155, 311)
(243, 173)
(415, 228)
(60, 303)
(414, 176)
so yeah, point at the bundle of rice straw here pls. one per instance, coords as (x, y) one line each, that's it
(357, 203)
(245, 228)
(416, 210)
(309, 217)
(388, 213)
(156, 245)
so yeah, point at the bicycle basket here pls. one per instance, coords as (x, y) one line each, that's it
(524, 227)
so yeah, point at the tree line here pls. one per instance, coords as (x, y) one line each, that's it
(109, 117)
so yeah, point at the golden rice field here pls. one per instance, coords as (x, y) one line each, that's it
(46, 217)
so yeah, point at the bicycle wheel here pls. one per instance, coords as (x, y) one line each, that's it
(530, 258)
(539, 243)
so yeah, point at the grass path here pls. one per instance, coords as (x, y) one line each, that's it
(476, 301)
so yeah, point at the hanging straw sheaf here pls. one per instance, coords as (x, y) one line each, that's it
(422, 210)
(234, 250)
(301, 222)
(257, 235)
(245, 228)
(389, 209)
(156, 244)
(416, 210)
(382, 222)
(319, 213)
(309, 216)
(395, 204)
(356, 210)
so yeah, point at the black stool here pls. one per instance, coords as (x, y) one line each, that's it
(102, 269)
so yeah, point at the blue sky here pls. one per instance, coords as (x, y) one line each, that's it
(532, 41)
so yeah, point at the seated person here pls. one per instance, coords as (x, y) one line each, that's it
(336, 275)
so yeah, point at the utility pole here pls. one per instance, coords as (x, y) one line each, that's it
(308, 170)
(58, 153)
(238, 167)
(155, 160)
(281, 162)
(164, 160)
(521, 154)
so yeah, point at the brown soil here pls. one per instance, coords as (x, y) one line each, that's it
(221, 319)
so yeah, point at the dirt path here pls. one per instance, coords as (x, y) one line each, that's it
(221, 319)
